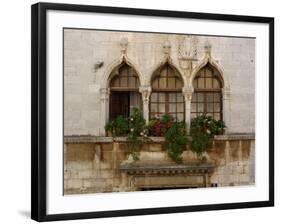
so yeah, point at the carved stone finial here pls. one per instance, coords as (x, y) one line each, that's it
(124, 44)
(167, 47)
(208, 48)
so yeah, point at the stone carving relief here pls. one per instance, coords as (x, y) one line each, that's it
(124, 45)
(145, 91)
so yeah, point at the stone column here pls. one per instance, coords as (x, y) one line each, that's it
(226, 108)
(104, 109)
(145, 91)
(187, 92)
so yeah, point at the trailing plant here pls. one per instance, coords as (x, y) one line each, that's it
(202, 130)
(138, 131)
(176, 141)
(174, 133)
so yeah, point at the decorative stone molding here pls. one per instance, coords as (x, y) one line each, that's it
(187, 93)
(196, 168)
(188, 48)
(208, 49)
(167, 48)
(124, 45)
(145, 91)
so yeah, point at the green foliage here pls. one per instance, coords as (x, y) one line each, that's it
(202, 130)
(176, 140)
(118, 126)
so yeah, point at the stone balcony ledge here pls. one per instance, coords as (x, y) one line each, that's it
(76, 139)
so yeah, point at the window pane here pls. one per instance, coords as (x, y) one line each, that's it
(153, 97)
(200, 97)
(217, 116)
(172, 97)
(210, 97)
(153, 107)
(171, 82)
(216, 84)
(201, 84)
(180, 117)
(132, 82)
(210, 107)
(217, 97)
(155, 83)
(217, 107)
(180, 107)
(124, 82)
(162, 108)
(179, 83)
(180, 97)
(162, 97)
(162, 83)
(209, 83)
(193, 107)
(172, 107)
(194, 97)
(200, 107)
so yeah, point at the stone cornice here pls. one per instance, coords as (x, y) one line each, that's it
(170, 169)
(100, 139)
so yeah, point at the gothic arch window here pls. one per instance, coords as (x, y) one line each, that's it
(166, 96)
(124, 91)
(207, 96)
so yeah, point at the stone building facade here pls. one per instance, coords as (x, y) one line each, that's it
(94, 58)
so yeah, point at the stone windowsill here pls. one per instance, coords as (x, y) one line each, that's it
(102, 139)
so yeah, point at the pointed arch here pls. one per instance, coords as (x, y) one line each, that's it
(114, 66)
(212, 63)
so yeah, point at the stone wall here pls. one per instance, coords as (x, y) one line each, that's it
(91, 55)
(94, 165)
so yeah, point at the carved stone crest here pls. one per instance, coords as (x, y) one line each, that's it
(188, 47)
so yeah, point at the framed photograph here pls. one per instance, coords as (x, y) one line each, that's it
(140, 111)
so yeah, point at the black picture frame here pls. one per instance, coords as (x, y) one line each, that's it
(39, 107)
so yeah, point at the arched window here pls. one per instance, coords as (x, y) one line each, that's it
(166, 96)
(207, 96)
(124, 91)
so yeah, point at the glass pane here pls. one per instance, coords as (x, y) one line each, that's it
(180, 107)
(162, 108)
(210, 107)
(208, 72)
(200, 107)
(217, 107)
(155, 83)
(172, 97)
(162, 83)
(180, 97)
(195, 83)
(210, 97)
(124, 82)
(217, 116)
(132, 82)
(180, 117)
(193, 107)
(162, 97)
(194, 97)
(153, 97)
(209, 83)
(217, 97)
(200, 97)
(201, 84)
(153, 107)
(172, 107)
(216, 84)
(114, 82)
(171, 82)
(179, 83)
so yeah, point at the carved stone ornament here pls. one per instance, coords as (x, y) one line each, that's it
(187, 93)
(188, 48)
(124, 45)
(167, 47)
(208, 48)
(145, 91)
